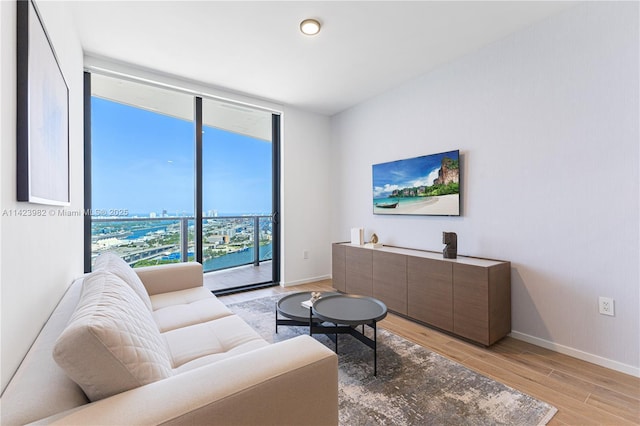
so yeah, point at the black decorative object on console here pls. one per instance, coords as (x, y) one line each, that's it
(451, 249)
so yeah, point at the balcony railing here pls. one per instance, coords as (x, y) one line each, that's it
(228, 241)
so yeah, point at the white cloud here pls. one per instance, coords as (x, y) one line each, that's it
(426, 181)
(381, 190)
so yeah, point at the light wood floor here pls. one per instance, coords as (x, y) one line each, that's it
(584, 393)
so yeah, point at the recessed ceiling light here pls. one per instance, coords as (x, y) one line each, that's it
(310, 27)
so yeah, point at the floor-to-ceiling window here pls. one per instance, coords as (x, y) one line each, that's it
(236, 185)
(144, 167)
(142, 186)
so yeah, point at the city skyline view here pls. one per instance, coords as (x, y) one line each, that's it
(143, 164)
(143, 190)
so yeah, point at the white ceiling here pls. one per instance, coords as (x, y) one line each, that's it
(256, 48)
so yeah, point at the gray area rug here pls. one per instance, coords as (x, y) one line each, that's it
(414, 386)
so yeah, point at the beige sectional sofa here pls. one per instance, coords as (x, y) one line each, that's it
(153, 346)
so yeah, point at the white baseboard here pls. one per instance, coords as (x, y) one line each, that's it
(566, 350)
(305, 281)
(576, 353)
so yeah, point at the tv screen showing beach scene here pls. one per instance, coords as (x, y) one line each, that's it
(427, 185)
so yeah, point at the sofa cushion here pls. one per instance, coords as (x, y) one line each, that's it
(111, 343)
(111, 262)
(186, 307)
(212, 341)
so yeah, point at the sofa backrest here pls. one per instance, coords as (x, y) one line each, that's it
(112, 263)
(40, 388)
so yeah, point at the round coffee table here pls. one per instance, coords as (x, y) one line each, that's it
(345, 311)
(349, 309)
(290, 306)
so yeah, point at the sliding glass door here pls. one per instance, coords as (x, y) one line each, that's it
(237, 193)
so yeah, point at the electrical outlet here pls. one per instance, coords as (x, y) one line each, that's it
(305, 254)
(605, 306)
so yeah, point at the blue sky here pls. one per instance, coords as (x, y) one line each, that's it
(408, 173)
(144, 162)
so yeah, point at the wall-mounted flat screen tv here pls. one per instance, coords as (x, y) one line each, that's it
(427, 185)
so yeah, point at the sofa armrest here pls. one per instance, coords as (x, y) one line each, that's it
(291, 382)
(170, 277)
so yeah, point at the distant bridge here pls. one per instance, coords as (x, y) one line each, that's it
(137, 256)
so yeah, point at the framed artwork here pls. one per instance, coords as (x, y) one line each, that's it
(42, 114)
(426, 185)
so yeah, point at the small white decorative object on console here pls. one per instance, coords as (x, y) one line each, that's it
(373, 245)
(357, 236)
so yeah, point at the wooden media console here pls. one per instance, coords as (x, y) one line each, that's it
(469, 297)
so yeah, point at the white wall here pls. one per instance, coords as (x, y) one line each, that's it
(39, 256)
(547, 124)
(306, 197)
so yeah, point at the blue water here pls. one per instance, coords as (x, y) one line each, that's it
(230, 260)
(238, 258)
(177, 256)
(401, 200)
